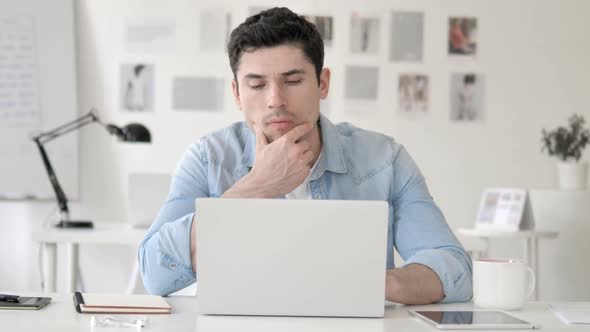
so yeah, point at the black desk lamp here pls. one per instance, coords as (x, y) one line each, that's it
(133, 132)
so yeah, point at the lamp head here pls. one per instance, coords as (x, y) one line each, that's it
(133, 133)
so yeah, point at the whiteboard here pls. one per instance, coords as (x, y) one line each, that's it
(37, 93)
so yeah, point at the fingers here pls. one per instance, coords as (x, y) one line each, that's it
(298, 132)
(300, 154)
(261, 139)
(303, 145)
(307, 156)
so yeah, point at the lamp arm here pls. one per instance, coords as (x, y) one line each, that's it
(62, 200)
(80, 122)
(45, 137)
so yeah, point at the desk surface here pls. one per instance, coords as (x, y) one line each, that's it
(61, 316)
(101, 233)
(507, 234)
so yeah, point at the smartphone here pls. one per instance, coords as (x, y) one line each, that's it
(26, 303)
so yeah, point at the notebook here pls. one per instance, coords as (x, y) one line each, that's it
(120, 304)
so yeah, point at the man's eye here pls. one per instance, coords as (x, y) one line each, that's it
(293, 82)
(257, 86)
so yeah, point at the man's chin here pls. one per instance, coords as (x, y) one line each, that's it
(276, 133)
(274, 136)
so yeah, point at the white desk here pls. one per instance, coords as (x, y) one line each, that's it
(61, 316)
(72, 238)
(531, 244)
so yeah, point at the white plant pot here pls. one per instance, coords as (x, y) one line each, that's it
(572, 175)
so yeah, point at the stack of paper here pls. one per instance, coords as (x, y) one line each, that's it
(572, 312)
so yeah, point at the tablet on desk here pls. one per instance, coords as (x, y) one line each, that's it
(472, 320)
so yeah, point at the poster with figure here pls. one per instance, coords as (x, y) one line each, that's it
(412, 93)
(364, 35)
(462, 36)
(467, 97)
(137, 87)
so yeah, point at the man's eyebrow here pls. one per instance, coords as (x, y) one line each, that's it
(293, 72)
(254, 76)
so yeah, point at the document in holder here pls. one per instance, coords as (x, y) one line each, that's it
(120, 304)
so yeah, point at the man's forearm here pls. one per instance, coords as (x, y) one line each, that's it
(413, 284)
(246, 188)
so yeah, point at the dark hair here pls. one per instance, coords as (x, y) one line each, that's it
(274, 27)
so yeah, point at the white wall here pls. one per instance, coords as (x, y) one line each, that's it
(534, 55)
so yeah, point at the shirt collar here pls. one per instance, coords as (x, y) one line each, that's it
(332, 158)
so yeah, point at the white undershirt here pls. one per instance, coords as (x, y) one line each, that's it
(303, 192)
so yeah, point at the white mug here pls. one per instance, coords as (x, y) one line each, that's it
(504, 284)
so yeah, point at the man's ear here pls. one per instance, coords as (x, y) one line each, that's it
(236, 92)
(324, 83)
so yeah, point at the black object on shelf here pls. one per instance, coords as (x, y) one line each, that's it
(133, 132)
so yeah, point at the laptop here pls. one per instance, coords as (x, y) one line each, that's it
(283, 257)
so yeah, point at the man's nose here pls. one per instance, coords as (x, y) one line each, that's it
(276, 98)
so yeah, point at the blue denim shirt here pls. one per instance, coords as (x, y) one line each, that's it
(355, 164)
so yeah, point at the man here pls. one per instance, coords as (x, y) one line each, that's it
(285, 148)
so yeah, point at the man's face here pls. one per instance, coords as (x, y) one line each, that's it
(278, 89)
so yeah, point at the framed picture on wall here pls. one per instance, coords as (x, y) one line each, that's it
(463, 36)
(137, 87)
(364, 35)
(406, 36)
(467, 97)
(504, 209)
(412, 93)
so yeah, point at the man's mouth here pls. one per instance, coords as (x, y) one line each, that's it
(280, 123)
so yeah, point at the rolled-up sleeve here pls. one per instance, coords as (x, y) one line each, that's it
(421, 234)
(164, 254)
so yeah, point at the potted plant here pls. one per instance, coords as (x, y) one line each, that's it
(568, 144)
